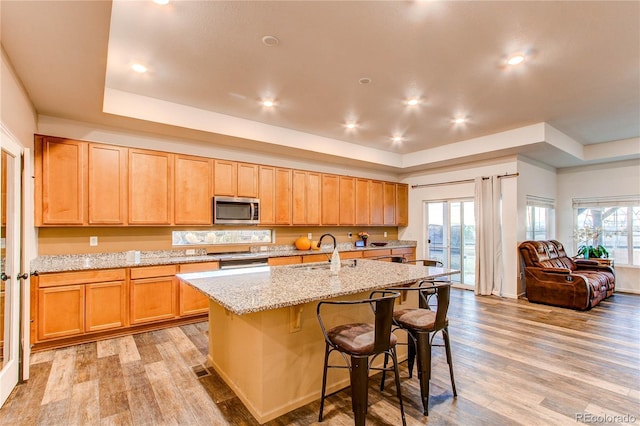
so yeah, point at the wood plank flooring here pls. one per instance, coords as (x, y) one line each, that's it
(515, 363)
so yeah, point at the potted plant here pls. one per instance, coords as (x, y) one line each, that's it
(587, 238)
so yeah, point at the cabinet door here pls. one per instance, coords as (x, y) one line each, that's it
(299, 198)
(192, 301)
(225, 178)
(376, 203)
(62, 190)
(247, 185)
(283, 196)
(313, 198)
(153, 299)
(377, 253)
(408, 253)
(107, 185)
(267, 195)
(60, 311)
(389, 212)
(285, 260)
(193, 189)
(150, 187)
(347, 200)
(402, 205)
(106, 305)
(330, 199)
(362, 201)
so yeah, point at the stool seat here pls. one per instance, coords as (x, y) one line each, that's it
(416, 319)
(356, 338)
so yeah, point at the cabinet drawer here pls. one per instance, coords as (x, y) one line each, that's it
(153, 271)
(286, 260)
(320, 257)
(199, 267)
(351, 255)
(83, 277)
(376, 253)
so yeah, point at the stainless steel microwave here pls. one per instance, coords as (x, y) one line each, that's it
(236, 211)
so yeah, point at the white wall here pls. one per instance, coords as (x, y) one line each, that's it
(16, 110)
(601, 180)
(417, 196)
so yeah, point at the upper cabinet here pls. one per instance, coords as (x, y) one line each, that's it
(235, 179)
(402, 204)
(193, 189)
(107, 185)
(61, 181)
(150, 187)
(81, 183)
(306, 198)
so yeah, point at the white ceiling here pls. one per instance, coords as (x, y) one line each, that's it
(209, 69)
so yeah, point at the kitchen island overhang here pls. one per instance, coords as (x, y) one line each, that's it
(264, 338)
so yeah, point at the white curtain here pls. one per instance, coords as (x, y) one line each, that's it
(489, 263)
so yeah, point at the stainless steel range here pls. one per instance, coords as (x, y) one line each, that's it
(240, 260)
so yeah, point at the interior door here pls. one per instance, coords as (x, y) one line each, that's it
(10, 276)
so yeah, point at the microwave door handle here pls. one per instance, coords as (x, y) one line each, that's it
(253, 210)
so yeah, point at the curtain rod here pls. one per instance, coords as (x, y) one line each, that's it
(424, 185)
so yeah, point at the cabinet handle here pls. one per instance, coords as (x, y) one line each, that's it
(4, 277)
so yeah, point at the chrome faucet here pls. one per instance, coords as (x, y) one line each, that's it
(334, 244)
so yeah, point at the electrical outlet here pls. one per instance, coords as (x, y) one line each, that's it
(310, 236)
(93, 241)
(350, 235)
(385, 234)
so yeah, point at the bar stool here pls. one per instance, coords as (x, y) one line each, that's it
(426, 262)
(357, 342)
(422, 324)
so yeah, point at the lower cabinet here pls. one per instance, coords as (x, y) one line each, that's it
(153, 293)
(192, 301)
(74, 303)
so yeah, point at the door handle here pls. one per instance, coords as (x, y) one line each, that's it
(23, 276)
(4, 277)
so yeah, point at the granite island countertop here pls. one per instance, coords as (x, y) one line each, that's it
(249, 290)
(86, 262)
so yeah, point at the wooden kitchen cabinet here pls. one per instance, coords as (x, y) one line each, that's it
(61, 181)
(362, 202)
(402, 205)
(192, 301)
(73, 303)
(233, 179)
(105, 305)
(330, 199)
(275, 196)
(285, 260)
(193, 190)
(389, 211)
(408, 253)
(306, 198)
(283, 196)
(347, 200)
(376, 203)
(150, 187)
(60, 311)
(376, 253)
(107, 184)
(153, 293)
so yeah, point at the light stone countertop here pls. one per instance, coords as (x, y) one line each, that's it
(248, 290)
(86, 262)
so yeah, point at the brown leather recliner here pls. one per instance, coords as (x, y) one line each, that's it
(554, 278)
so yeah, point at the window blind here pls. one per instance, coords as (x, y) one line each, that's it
(618, 201)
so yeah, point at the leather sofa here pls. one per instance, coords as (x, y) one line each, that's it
(553, 278)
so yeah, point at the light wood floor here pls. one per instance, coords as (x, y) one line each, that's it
(515, 363)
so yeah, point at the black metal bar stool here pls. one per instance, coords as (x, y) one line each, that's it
(357, 343)
(422, 324)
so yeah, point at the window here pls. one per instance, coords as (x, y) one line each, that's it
(451, 237)
(222, 237)
(618, 220)
(540, 218)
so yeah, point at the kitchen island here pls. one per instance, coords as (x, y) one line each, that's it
(264, 338)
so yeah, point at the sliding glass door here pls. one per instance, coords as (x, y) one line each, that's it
(451, 237)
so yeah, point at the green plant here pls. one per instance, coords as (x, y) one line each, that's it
(593, 251)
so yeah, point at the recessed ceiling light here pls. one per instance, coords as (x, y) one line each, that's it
(268, 103)
(397, 138)
(516, 59)
(364, 80)
(139, 68)
(351, 125)
(270, 40)
(413, 102)
(459, 120)
(161, 2)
